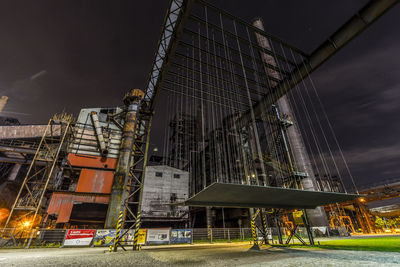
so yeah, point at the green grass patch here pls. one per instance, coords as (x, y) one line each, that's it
(370, 244)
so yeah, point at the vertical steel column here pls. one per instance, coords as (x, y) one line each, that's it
(276, 217)
(308, 228)
(142, 173)
(265, 226)
(119, 192)
(209, 223)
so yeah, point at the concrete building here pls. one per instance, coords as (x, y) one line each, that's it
(163, 185)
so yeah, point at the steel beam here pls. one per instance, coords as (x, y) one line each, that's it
(23, 161)
(354, 26)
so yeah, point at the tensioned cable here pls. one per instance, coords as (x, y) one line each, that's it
(296, 129)
(253, 124)
(284, 151)
(203, 159)
(314, 136)
(322, 131)
(333, 132)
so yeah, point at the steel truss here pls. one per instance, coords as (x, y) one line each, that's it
(170, 45)
(131, 210)
(130, 213)
(41, 174)
(187, 21)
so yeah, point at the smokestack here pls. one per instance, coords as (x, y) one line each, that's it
(301, 162)
(3, 102)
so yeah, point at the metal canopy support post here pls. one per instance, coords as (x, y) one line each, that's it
(265, 226)
(294, 234)
(276, 217)
(308, 228)
(253, 217)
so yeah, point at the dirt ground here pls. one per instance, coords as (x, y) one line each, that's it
(227, 254)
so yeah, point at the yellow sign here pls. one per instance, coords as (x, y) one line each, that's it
(142, 237)
(297, 217)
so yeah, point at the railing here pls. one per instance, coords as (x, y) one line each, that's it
(19, 143)
(14, 237)
(19, 238)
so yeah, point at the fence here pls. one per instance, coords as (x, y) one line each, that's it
(13, 237)
(55, 237)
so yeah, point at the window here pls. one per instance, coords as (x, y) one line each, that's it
(177, 176)
(173, 197)
(158, 174)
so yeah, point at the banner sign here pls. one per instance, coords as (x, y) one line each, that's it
(104, 238)
(79, 237)
(142, 237)
(298, 217)
(157, 236)
(127, 239)
(181, 236)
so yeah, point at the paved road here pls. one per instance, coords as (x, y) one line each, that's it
(234, 254)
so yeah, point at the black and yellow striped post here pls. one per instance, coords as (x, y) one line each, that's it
(254, 234)
(254, 230)
(264, 222)
(114, 247)
(136, 235)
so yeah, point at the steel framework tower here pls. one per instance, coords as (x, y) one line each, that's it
(38, 177)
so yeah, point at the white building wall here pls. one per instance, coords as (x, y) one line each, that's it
(159, 191)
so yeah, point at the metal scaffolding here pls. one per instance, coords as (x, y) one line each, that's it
(30, 201)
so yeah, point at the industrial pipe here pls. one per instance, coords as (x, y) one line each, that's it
(3, 102)
(118, 192)
(99, 133)
(22, 161)
(354, 26)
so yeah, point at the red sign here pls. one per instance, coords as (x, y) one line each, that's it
(79, 237)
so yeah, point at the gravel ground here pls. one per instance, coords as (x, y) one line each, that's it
(234, 254)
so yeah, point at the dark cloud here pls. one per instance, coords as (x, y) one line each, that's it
(94, 51)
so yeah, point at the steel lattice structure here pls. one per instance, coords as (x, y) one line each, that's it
(218, 60)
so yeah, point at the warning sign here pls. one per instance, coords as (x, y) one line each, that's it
(142, 237)
(298, 217)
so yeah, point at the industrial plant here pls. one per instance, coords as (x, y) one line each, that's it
(245, 147)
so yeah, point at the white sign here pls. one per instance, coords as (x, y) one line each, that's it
(158, 236)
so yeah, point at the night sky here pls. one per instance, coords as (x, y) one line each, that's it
(66, 55)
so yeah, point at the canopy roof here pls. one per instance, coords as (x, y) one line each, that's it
(253, 196)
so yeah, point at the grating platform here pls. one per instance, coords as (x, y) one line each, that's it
(253, 196)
